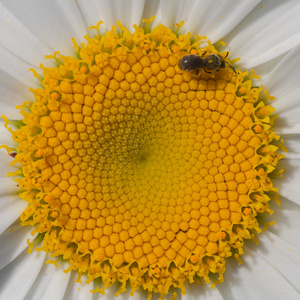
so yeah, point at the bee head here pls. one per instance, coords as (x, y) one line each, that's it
(214, 61)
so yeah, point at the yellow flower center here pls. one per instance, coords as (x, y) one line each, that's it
(136, 171)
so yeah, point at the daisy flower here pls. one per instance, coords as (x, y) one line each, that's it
(147, 157)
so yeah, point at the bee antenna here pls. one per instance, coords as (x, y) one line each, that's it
(231, 67)
(227, 53)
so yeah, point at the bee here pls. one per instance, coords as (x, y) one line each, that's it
(211, 62)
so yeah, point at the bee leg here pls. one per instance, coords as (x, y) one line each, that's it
(207, 71)
(203, 53)
(226, 55)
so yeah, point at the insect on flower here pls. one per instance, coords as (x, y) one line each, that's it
(211, 62)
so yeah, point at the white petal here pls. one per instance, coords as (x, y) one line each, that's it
(53, 22)
(8, 186)
(13, 92)
(283, 83)
(201, 291)
(5, 161)
(129, 12)
(51, 283)
(287, 221)
(292, 143)
(215, 19)
(263, 70)
(17, 278)
(16, 67)
(289, 184)
(255, 279)
(13, 241)
(11, 208)
(72, 15)
(284, 257)
(5, 139)
(153, 8)
(17, 39)
(78, 291)
(90, 12)
(288, 110)
(268, 31)
(111, 291)
(173, 12)
(138, 295)
(155, 296)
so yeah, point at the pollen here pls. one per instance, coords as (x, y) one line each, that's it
(138, 172)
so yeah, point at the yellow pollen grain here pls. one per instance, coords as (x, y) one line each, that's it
(247, 211)
(136, 170)
(54, 96)
(257, 128)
